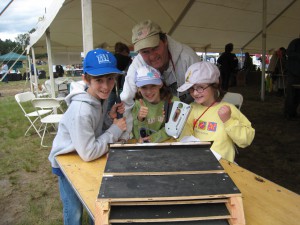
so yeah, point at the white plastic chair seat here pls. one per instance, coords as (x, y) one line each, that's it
(234, 98)
(53, 118)
(39, 112)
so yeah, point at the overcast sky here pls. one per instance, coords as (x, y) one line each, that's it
(20, 17)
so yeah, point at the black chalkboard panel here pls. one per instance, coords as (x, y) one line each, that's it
(158, 213)
(141, 159)
(167, 187)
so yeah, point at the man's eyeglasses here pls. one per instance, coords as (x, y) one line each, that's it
(199, 89)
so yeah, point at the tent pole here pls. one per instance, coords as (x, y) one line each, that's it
(87, 26)
(50, 63)
(29, 71)
(34, 72)
(263, 60)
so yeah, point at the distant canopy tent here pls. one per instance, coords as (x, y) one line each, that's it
(11, 58)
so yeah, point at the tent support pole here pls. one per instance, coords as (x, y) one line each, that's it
(263, 58)
(34, 72)
(50, 63)
(87, 26)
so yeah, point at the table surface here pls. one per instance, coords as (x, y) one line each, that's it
(264, 201)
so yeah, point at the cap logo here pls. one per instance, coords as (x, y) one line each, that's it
(188, 77)
(150, 74)
(103, 58)
(153, 74)
(143, 33)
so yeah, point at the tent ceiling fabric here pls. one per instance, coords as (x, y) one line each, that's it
(208, 25)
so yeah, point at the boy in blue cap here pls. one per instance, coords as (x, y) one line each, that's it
(86, 126)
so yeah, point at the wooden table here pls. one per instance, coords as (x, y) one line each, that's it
(264, 201)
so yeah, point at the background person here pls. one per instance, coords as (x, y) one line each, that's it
(248, 65)
(277, 70)
(4, 70)
(59, 70)
(86, 127)
(292, 99)
(122, 54)
(228, 66)
(161, 52)
(148, 111)
(213, 120)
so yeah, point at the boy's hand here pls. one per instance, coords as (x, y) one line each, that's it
(118, 107)
(121, 123)
(224, 113)
(143, 111)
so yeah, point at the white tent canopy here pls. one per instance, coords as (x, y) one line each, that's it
(205, 25)
(256, 26)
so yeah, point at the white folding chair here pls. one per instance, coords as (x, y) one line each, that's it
(59, 98)
(77, 85)
(32, 115)
(52, 119)
(234, 98)
(40, 88)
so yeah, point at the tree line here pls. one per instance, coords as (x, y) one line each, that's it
(18, 46)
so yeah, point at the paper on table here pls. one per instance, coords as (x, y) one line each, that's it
(194, 139)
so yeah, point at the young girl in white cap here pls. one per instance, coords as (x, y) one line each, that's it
(148, 111)
(210, 119)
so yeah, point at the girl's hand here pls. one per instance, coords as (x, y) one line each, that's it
(121, 123)
(118, 107)
(224, 113)
(143, 111)
(144, 140)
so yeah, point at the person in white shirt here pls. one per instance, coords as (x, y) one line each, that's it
(161, 52)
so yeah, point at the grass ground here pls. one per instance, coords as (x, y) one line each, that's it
(29, 192)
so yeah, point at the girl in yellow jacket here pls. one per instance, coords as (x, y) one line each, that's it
(210, 118)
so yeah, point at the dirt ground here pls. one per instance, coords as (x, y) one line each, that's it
(275, 151)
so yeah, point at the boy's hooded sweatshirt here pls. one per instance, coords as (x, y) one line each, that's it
(85, 128)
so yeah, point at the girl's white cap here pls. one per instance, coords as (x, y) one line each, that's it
(200, 73)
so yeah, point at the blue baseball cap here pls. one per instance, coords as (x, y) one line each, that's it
(99, 62)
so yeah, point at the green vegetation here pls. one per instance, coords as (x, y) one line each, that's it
(28, 190)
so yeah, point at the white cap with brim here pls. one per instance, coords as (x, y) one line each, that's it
(100, 62)
(200, 73)
(146, 75)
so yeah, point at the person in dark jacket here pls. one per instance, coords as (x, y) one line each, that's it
(228, 64)
(292, 100)
(123, 61)
(59, 70)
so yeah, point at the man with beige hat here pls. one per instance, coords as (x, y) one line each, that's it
(160, 51)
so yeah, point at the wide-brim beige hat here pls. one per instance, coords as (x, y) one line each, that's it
(145, 35)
